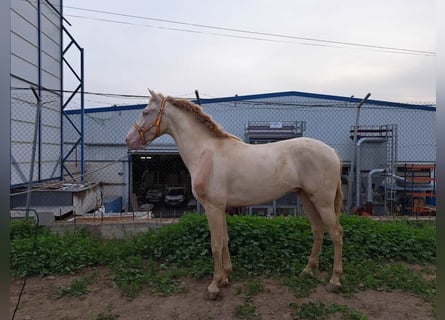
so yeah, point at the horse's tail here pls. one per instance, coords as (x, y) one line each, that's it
(338, 202)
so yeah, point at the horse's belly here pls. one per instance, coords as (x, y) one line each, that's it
(258, 193)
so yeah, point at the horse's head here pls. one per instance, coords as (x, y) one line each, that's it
(148, 126)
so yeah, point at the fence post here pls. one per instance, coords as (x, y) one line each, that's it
(33, 153)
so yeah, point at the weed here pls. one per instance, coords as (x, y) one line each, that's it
(78, 288)
(163, 285)
(315, 310)
(132, 275)
(400, 276)
(386, 277)
(245, 311)
(200, 268)
(374, 254)
(250, 289)
(107, 316)
(254, 287)
(22, 229)
(301, 286)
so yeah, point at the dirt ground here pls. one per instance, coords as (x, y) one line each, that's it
(42, 300)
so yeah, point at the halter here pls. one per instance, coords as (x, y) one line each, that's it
(156, 122)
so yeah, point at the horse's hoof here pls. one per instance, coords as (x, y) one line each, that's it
(306, 273)
(333, 288)
(213, 295)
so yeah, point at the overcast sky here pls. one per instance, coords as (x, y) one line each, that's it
(125, 55)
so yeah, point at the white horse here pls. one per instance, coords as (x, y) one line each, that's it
(228, 172)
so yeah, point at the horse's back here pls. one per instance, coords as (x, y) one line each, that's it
(305, 149)
(267, 171)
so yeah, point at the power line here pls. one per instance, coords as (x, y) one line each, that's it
(321, 42)
(254, 104)
(204, 32)
(104, 94)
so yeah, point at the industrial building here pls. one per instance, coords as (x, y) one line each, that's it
(43, 56)
(390, 136)
(75, 159)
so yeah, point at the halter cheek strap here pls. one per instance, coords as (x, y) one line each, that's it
(156, 123)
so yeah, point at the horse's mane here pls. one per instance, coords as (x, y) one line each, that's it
(202, 117)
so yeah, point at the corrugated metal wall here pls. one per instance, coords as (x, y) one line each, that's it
(36, 53)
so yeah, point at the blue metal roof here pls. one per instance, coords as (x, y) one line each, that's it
(268, 96)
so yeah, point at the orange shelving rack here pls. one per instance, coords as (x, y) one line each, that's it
(420, 187)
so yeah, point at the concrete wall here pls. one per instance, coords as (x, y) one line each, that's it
(108, 230)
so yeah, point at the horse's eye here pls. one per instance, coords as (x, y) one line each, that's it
(145, 112)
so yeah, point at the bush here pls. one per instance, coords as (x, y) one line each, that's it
(49, 253)
(23, 228)
(257, 245)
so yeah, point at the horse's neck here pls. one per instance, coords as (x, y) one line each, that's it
(191, 137)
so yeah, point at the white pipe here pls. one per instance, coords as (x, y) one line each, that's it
(370, 174)
(358, 169)
(353, 159)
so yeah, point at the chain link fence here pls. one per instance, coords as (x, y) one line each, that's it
(394, 171)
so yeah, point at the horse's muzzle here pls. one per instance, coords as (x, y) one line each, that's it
(133, 141)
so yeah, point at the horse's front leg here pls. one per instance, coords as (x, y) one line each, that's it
(216, 220)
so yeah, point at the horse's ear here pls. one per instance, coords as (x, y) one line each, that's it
(154, 95)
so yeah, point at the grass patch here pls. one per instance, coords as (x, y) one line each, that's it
(134, 274)
(107, 315)
(301, 286)
(77, 288)
(250, 289)
(387, 277)
(315, 310)
(375, 254)
(245, 311)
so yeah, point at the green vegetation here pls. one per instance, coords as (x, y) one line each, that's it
(377, 255)
(250, 289)
(245, 311)
(134, 273)
(108, 315)
(78, 288)
(315, 310)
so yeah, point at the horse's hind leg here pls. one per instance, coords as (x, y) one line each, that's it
(330, 221)
(227, 262)
(317, 232)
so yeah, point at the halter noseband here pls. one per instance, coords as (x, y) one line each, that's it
(156, 123)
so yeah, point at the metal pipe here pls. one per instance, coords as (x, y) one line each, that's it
(358, 169)
(351, 169)
(82, 116)
(39, 81)
(198, 99)
(61, 92)
(370, 174)
(397, 177)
